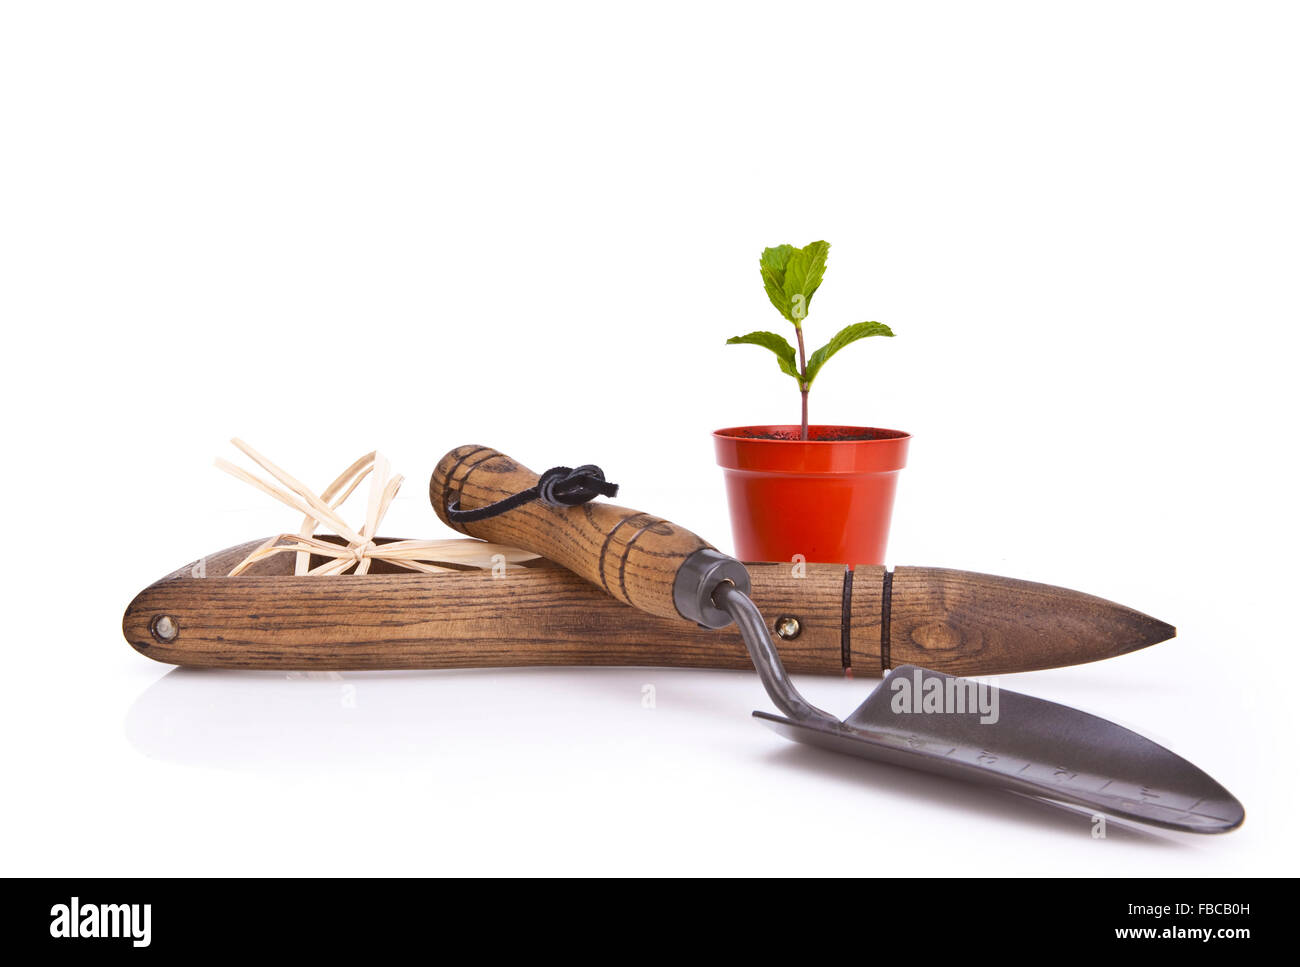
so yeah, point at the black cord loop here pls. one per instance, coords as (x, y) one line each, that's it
(559, 487)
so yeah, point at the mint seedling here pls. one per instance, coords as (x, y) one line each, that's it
(790, 277)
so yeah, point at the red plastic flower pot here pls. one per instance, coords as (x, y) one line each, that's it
(828, 498)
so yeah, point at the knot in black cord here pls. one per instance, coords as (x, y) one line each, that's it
(568, 486)
(559, 487)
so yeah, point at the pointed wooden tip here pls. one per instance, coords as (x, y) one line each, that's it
(1146, 631)
(964, 623)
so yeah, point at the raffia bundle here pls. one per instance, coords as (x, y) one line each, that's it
(361, 548)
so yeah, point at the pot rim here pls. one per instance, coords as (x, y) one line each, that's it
(732, 433)
(749, 454)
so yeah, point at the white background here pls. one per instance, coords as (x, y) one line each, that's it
(333, 227)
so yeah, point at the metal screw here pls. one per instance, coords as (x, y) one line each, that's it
(787, 627)
(164, 628)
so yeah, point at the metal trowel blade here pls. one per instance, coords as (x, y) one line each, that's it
(1024, 744)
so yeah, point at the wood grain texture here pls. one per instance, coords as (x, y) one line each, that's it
(952, 621)
(538, 615)
(978, 624)
(632, 555)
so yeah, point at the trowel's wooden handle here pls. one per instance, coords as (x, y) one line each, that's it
(632, 555)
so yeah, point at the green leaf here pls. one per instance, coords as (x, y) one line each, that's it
(859, 330)
(770, 340)
(803, 277)
(771, 265)
(791, 276)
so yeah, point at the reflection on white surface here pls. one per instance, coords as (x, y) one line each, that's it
(538, 727)
(263, 720)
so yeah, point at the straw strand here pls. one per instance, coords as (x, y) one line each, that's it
(361, 549)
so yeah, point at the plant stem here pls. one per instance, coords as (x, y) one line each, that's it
(803, 386)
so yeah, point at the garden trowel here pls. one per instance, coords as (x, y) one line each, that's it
(916, 717)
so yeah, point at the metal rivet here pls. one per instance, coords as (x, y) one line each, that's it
(164, 628)
(788, 627)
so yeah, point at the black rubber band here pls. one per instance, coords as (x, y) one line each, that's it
(886, 614)
(846, 621)
(559, 487)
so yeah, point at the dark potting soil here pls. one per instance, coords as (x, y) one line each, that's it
(818, 433)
